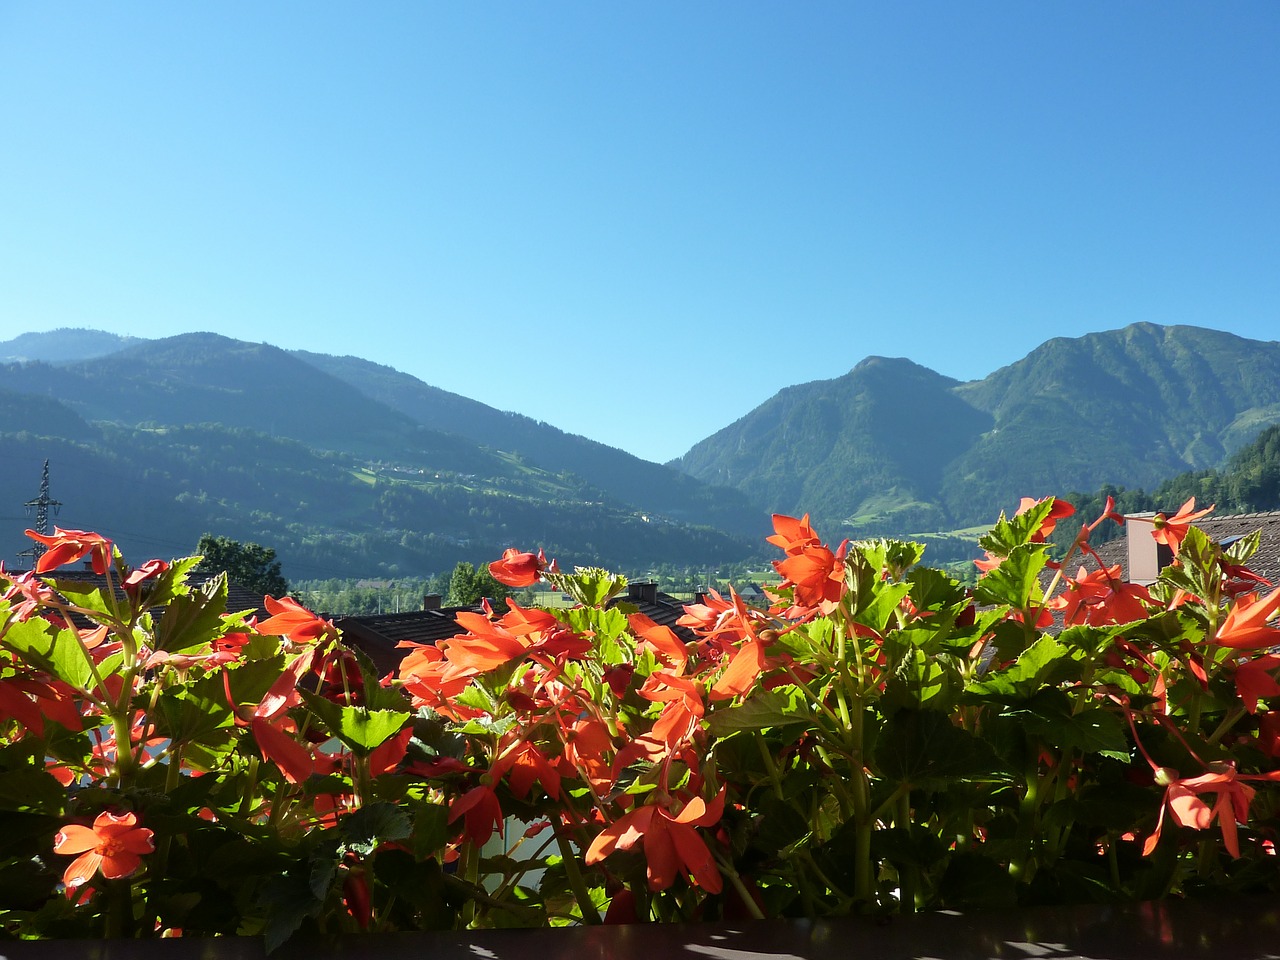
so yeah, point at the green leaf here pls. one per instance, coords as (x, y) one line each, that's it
(764, 709)
(40, 644)
(361, 729)
(933, 590)
(250, 681)
(892, 556)
(430, 829)
(1012, 532)
(878, 606)
(31, 790)
(919, 680)
(925, 749)
(197, 712)
(1112, 806)
(1047, 662)
(194, 619)
(172, 583)
(1093, 730)
(976, 881)
(288, 901)
(1016, 582)
(363, 830)
(605, 627)
(87, 594)
(589, 586)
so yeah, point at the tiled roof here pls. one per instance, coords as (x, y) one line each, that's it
(661, 608)
(1220, 528)
(378, 634)
(1267, 560)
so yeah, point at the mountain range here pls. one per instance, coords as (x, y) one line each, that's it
(894, 447)
(352, 468)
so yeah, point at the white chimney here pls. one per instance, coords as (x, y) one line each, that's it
(1146, 557)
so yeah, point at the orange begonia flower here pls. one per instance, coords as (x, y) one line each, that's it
(662, 640)
(113, 844)
(517, 569)
(792, 535)
(68, 546)
(1245, 625)
(291, 619)
(1101, 597)
(671, 844)
(816, 573)
(1171, 530)
(1182, 797)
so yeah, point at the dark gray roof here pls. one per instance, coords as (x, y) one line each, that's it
(378, 634)
(661, 608)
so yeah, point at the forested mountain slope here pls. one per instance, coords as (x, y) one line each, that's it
(895, 447)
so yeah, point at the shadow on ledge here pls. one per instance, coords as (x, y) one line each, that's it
(1242, 929)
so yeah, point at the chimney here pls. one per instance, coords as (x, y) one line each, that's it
(1146, 557)
(431, 601)
(642, 592)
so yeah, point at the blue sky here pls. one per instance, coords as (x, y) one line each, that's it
(639, 221)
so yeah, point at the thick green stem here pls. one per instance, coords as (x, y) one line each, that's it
(864, 879)
(1229, 721)
(1020, 867)
(908, 873)
(576, 881)
(471, 874)
(748, 901)
(770, 767)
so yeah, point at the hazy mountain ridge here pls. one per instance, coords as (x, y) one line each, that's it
(911, 449)
(657, 488)
(250, 441)
(890, 447)
(62, 345)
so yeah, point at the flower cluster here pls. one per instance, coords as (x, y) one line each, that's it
(881, 738)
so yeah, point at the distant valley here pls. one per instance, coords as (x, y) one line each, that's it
(349, 468)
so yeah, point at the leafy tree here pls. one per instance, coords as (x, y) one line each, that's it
(468, 585)
(249, 565)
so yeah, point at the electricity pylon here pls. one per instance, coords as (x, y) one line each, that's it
(41, 505)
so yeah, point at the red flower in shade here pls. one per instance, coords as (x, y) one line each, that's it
(291, 619)
(1255, 679)
(671, 844)
(148, 571)
(68, 546)
(113, 844)
(1245, 625)
(481, 814)
(517, 569)
(296, 761)
(34, 591)
(1171, 530)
